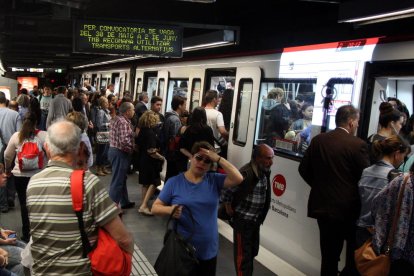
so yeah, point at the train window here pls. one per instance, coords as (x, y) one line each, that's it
(161, 85)
(176, 87)
(152, 86)
(244, 99)
(195, 94)
(285, 114)
(138, 87)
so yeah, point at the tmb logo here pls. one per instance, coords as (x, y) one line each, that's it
(279, 184)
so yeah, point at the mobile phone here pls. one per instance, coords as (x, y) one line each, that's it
(12, 236)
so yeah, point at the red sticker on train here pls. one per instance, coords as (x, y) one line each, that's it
(279, 185)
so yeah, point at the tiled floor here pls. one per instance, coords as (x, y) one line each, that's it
(148, 234)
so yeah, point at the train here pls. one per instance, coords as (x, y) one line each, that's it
(360, 72)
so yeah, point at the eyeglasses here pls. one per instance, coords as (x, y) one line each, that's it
(201, 158)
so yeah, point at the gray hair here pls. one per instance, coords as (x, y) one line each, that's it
(125, 107)
(63, 137)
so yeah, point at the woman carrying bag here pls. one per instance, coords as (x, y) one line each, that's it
(102, 136)
(198, 190)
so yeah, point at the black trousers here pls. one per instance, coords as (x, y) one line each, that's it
(21, 187)
(333, 233)
(246, 240)
(205, 267)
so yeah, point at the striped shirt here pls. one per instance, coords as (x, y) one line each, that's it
(57, 245)
(121, 135)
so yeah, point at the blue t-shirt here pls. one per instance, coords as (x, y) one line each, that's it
(202, 200)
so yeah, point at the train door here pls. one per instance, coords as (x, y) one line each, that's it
(222, 80)
(176, 87)
(150, 83)
(388, 79)
(196, 82)
(138, 84)
(162, 80)
(242, 125)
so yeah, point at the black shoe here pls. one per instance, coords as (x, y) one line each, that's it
(128, 205)
(4, 210)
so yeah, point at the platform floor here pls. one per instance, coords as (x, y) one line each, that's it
(148, 234)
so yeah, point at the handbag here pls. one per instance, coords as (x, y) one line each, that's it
(106, 258)
(367, 261)
(102, 137)
(177, 257)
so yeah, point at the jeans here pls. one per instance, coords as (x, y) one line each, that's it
(15, 257)
(43, 118)
(7, 193)
(101, 154)
(21, 187)
(120, 165)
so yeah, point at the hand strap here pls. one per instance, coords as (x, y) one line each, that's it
(390, 238)
(177, 221)
(76, 189)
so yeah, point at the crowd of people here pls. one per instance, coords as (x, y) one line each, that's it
(359, 191)
(53, 132)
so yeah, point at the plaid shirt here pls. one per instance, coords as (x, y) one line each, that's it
(251, 207)
(121, 135)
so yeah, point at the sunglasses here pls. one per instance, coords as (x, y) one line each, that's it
(200, 158)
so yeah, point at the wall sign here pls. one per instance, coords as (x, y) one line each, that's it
(125, 38)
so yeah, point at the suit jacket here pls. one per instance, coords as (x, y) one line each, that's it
(332, 166)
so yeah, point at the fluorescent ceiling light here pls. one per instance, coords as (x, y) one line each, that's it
(381, 17)
(207, 46)
(107, 62)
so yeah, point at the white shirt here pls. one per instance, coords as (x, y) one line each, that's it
(215, 120)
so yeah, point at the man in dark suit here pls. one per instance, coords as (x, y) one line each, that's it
(332, 166)
(141, 106)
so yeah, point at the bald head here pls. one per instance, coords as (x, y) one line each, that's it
(263, 157)
(63, 138)
(13, 105)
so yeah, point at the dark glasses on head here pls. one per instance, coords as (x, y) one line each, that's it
(200, 158)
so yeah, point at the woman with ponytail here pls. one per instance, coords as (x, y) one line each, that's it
(390, 153)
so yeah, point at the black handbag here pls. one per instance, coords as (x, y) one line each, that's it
(177, 257)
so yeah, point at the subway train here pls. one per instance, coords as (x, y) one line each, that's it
(360, 72)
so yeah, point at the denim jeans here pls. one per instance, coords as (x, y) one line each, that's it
(120, 164)
(15, 257)
(7, 193)
(101, 154)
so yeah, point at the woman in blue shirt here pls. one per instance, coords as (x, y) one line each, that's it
(199, 190)
(391, 153)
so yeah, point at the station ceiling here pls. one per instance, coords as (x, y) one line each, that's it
(38, 33)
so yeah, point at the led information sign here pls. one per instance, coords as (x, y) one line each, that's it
(116, 38)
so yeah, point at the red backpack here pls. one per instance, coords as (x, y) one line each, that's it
(107, 258)
(30, 155)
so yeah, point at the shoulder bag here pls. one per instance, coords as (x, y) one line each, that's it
(106, 258)
(367, 261)
(102, 137)
(177, 257)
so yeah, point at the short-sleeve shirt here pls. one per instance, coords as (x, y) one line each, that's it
(57, 246)
(202, 199)
(215, 120)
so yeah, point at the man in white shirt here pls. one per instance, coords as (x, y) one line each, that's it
(215, 119)
(109, 90)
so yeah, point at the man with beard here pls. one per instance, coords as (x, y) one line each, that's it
(248, 204)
